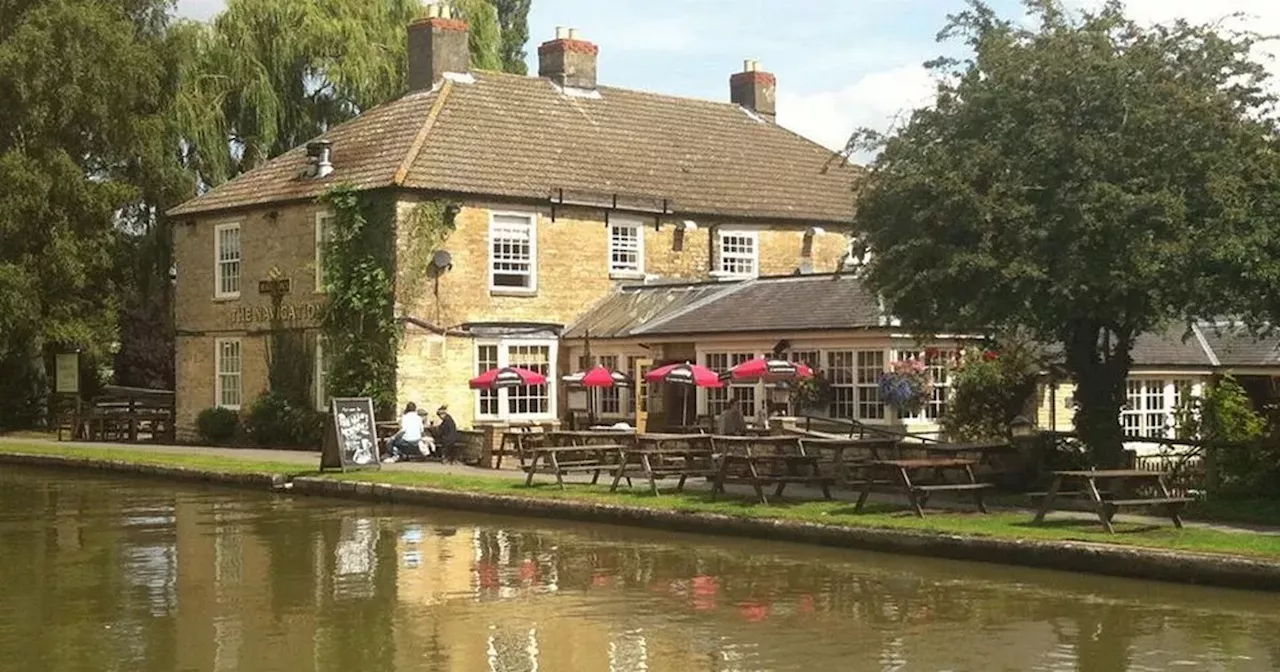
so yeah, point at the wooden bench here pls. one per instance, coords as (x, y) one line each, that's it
(657, 457)
(767, 461)
(908, 471)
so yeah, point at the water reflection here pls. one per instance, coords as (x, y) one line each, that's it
(105, 574)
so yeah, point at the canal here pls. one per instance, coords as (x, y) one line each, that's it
(103, 573)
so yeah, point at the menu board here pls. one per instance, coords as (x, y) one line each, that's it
(351, 438)
(66, 378)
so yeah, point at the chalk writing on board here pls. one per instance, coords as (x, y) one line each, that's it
(353, 424)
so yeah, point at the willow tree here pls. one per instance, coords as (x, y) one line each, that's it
(272, 74)
(1082, 176)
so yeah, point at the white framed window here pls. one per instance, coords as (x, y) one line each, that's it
(854, 376)
(739, 254)
(718, 398)
(936, 363)
(324, 232)
(321, 376)
(513, 253)
(226, 258)
(626, 249)
(1150, 404)
(227, 382)
(870, 368)
(531, 402)
(609, 399)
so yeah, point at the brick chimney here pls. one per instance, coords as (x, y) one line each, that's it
(755, 90)
(568, 61)
(437, 44)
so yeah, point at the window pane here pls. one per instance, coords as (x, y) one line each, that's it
(840, 374)
(530, 399)
(228, 372)
(738, 254)
(486, 360)
(228, 259)
(624, 248)
(870, 367)
(511, 252)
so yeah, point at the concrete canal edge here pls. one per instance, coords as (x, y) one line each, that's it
(240, 479)
(1224, 571)
(1130, 562)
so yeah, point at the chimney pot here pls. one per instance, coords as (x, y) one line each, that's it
(755, 89)
(568, 60)
(437, 44)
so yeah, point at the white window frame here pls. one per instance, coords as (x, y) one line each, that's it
(504, 359)
(721, 256)
(321, 218)
(218, 373)
(218, 261)
(321, 377)
(532, 222)
(732, 356)
(637, 230)
(1158, 395)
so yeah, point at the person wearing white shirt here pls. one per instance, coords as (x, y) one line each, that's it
(407, 442)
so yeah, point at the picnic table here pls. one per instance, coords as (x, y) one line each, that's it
(847, 459)
(909, 473)
(561, 460)
(518, 442)
(766, 460)
(582, 437)
(1105, 507)
(656, 456)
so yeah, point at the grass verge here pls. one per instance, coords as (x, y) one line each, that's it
(1002, 525)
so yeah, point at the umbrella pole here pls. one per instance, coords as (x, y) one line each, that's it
(684, 409)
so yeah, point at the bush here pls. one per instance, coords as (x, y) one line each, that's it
(1226, 415)
(217, 426)
(990, 388)
(272, 421)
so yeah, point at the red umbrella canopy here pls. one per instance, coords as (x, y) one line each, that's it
(599, 377)
(769, 369)
(509, 376)
(685, 374)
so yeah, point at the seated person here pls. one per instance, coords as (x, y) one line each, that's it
(446, 435)
(406, 442)
(732, 423)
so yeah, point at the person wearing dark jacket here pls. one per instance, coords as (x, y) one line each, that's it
(446, 435)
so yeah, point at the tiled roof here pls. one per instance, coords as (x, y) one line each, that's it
(523, 137)
(1173, 346)
(1235, 346)
(792, 303)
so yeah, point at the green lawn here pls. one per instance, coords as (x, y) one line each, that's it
(886, 516)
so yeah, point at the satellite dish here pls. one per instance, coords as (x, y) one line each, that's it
(442, 260)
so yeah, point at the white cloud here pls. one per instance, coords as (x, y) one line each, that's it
(200, 9)
(875, 101)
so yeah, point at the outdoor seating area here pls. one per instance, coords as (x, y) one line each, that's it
(121, 415)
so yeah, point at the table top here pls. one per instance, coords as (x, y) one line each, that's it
(671, 437)
(570, 449)
(927, 463)
(1111, 473)
(967, 447)
(590, 433)
(771, 439)
(795, 457)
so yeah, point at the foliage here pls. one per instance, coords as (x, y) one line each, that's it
(906, 386)
(1225, 415)
(990, 388)
(272, 420)
(1084, 177)
(272, 74)
(145, 357)
(361, 333)
(291, 364)
(812, 394)
(513, 21)
(217, 426)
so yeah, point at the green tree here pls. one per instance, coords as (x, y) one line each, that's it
(81, 95)
(1085, 178)
(513, 21)
(272, 74)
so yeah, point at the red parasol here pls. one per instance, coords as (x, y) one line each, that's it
(766, 369)
(685, 374)
(599, 377)
(496, 379)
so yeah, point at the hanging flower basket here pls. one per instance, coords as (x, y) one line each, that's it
(907, 386)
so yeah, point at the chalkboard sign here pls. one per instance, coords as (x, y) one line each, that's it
(350, 437)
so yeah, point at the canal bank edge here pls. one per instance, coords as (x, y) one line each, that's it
(1224, 571)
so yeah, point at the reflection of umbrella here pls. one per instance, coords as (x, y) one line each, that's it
(496, 379)
(685, 374)
(771, 370)
(599, 377)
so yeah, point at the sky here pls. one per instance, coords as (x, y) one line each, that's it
(840, 64)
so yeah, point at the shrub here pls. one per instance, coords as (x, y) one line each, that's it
(1226, 415)
(811, 394)
(272, 421)
(217, 426)
(990, 388)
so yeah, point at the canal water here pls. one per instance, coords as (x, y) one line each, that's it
(101, 573)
